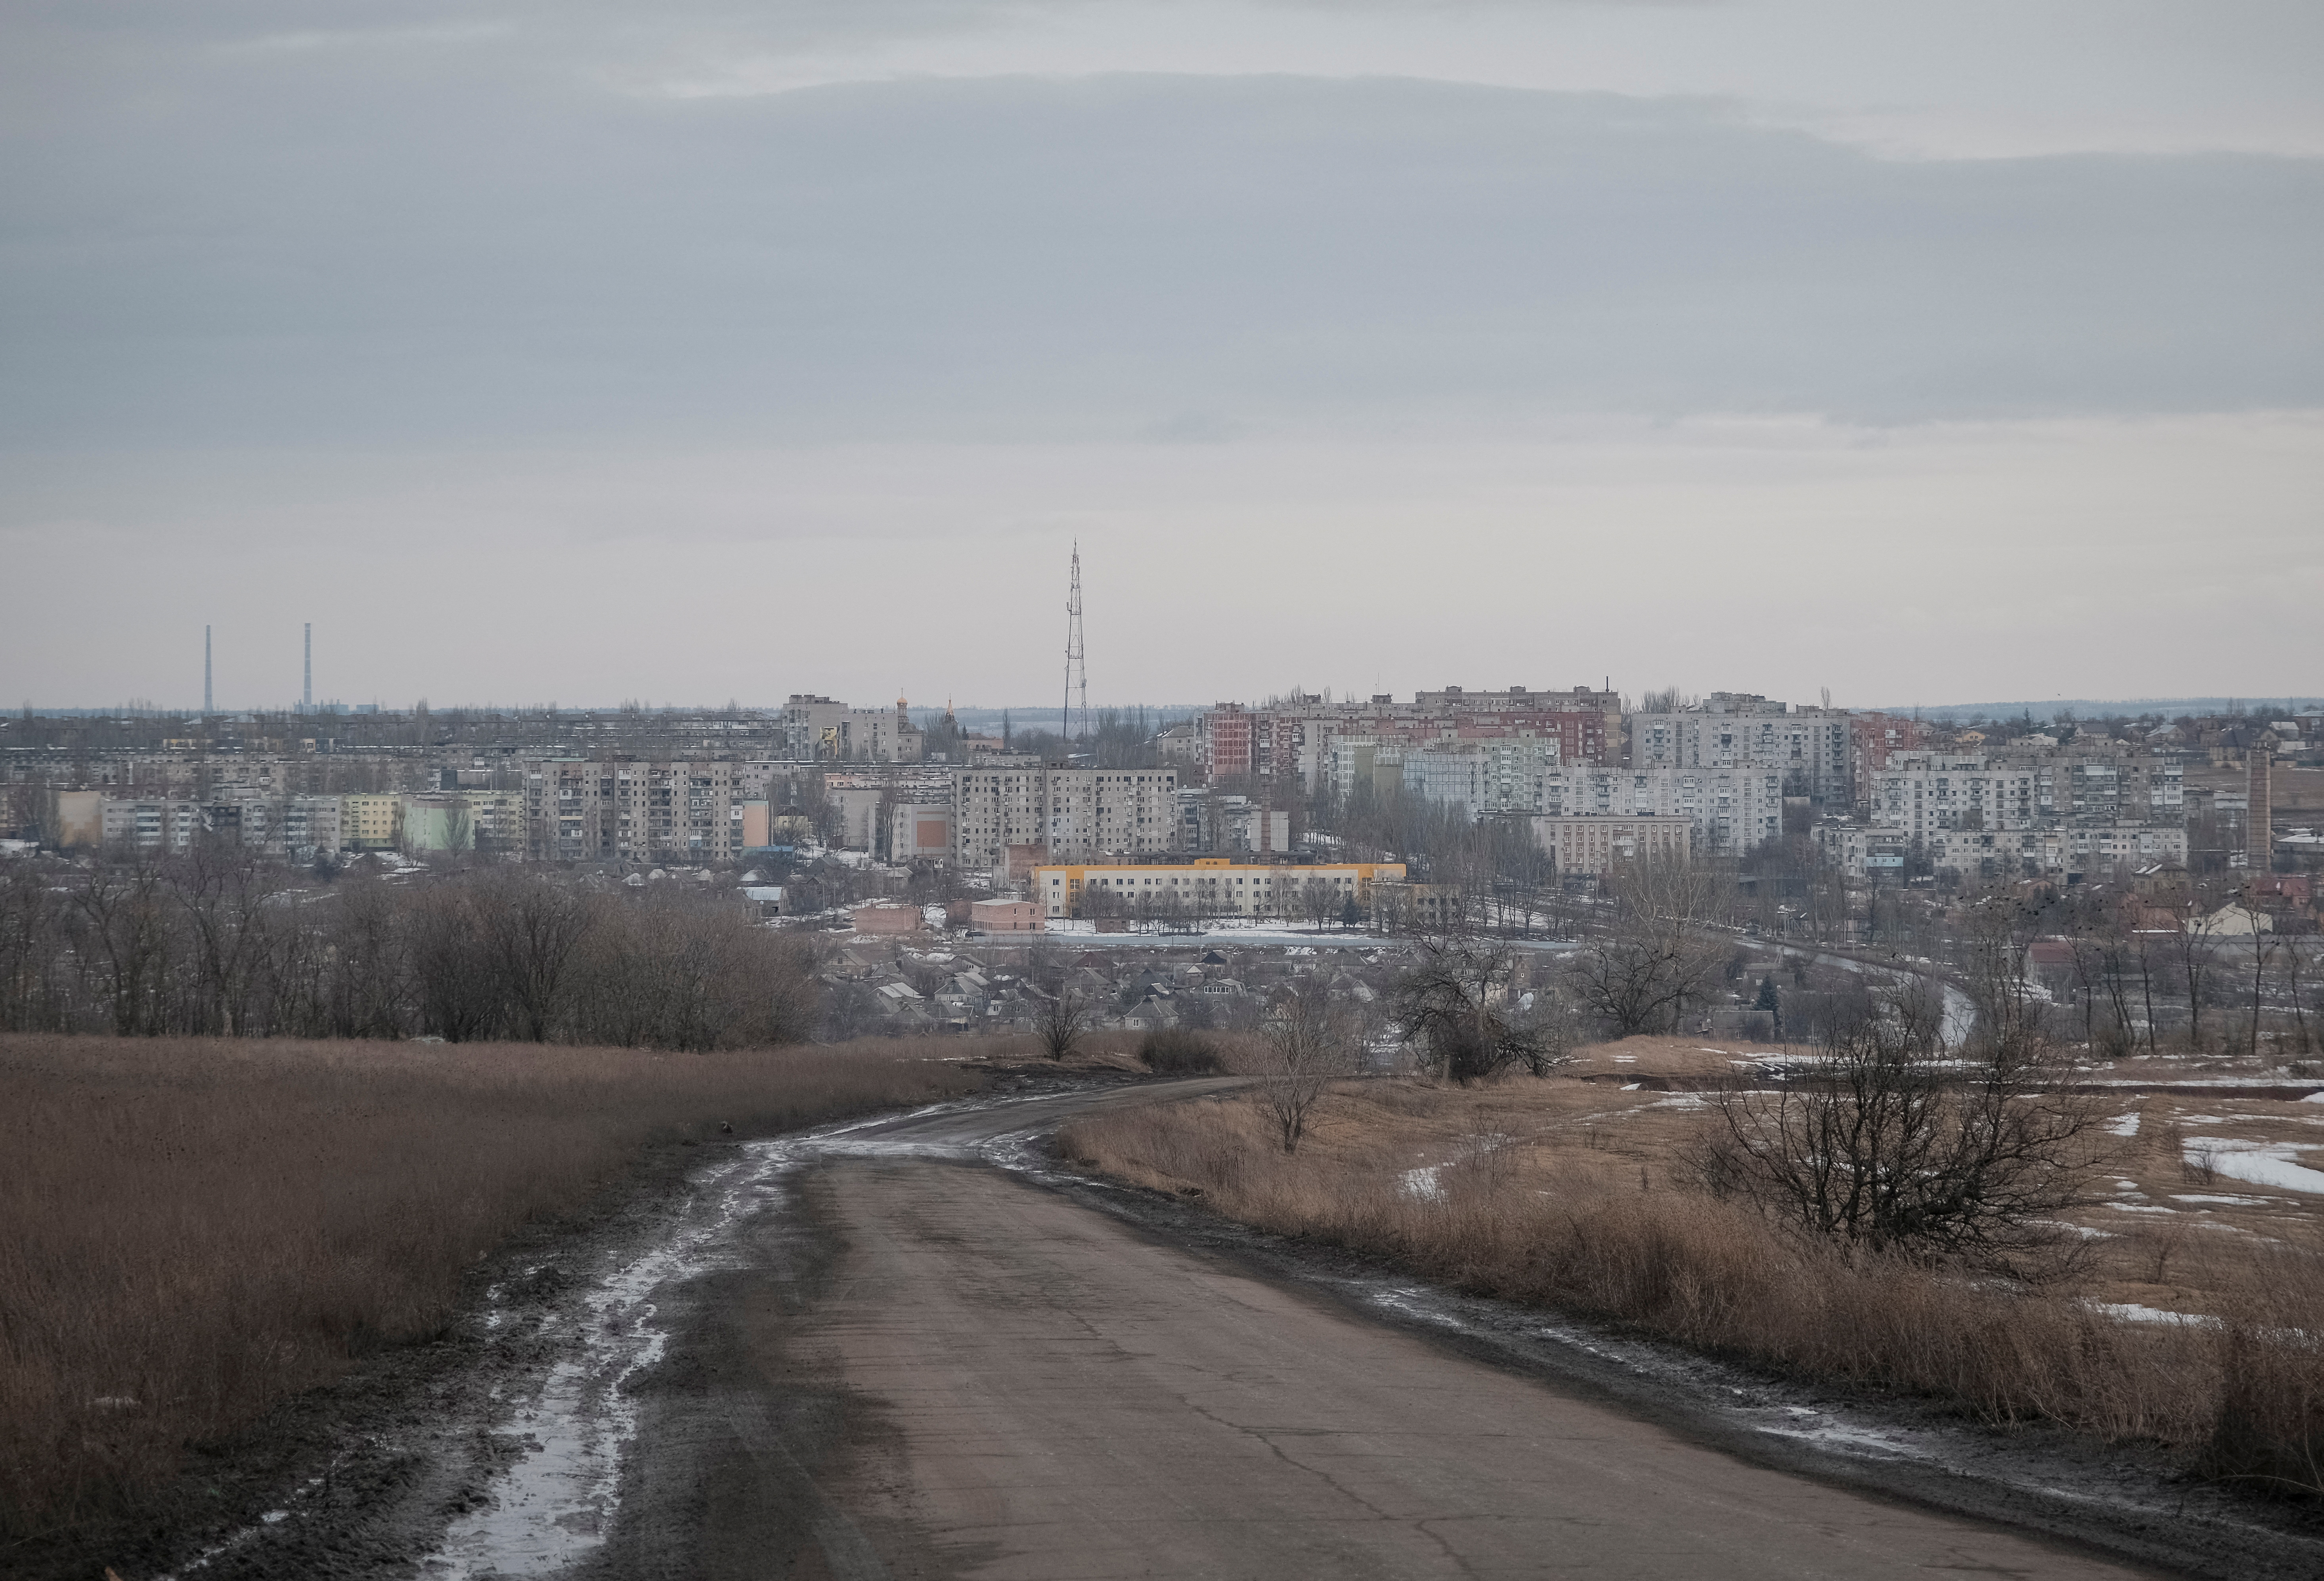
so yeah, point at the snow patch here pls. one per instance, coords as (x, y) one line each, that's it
(2263, 1163)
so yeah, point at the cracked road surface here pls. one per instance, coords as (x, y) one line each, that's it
(1052, 1394)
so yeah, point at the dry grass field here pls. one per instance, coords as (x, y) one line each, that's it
(191, 1229)
(2195, 1318)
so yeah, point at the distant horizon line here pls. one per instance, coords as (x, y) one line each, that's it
(2042, 710)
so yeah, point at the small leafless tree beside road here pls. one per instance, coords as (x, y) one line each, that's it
(1310, 1040)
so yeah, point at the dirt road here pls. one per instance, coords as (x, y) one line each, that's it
(977, 1376)
(908, 1348)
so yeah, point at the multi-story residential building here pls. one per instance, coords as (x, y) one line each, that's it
(151, 823)
(370, 821)
(1861, 850)
(310, 826)
(1595, 845)
(1507, 774)
(1213, 885)
(1812, 747)
(1733, 809)
(633, 809)
(826, 731)
(1288, 742)
(1074, 813)
(1211, 823)
(920, 829)
(2061, 808)
(863, 802)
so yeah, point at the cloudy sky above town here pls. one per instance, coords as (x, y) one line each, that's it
(577, 352)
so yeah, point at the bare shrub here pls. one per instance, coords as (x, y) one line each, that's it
(1885, 1145)
(1176, 1051)
(1061, 1022)
(190, 1230)
(1454, 1005)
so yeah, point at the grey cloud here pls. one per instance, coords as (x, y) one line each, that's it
(430, 246)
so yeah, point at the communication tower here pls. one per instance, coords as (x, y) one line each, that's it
(1076, 671)
(206, 669)
(307, 695)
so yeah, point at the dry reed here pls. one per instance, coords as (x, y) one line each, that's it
(192, 1229)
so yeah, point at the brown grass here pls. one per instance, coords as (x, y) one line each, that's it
(192, 1229)
(1542, 1195)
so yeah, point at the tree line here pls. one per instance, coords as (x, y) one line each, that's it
(219, 940)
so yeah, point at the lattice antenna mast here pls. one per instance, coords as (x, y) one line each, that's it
(1076, 670)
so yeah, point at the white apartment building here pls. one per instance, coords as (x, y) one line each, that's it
(1925, 793)
(1595, 845)
(1497, 775)
(2005, 853)
(1212, 824)
(631, 810)
(1076, 813)
(1810, 746)
(826, 729)
(1213, 885)
(153, 823)
(1732, 809)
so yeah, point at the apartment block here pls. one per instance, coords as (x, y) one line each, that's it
(1074, 813)
(1211, 885)
(824, 730)
(1596, 845)
(1813, 748)
(371, 822)
(1289, 741)
(632, 810)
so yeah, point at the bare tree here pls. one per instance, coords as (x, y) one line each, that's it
(531, 930)
(2193, 955)
(1889, 1146)
(2263, 949)
(1456, 1007)
(1655, 957)
(123, 904)
(1061, 1020)
(1310, 1042)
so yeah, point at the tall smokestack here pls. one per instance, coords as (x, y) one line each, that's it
(306, 698)
(206, 669)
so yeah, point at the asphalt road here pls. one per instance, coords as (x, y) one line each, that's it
(975, 1376)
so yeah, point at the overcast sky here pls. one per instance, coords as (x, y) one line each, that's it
(584, 352)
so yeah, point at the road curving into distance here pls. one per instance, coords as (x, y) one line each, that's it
(911, 1347)
(948, 1369)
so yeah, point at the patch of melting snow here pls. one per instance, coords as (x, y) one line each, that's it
(2125, 1125)
(2263, 1163)
(1424, 1183)
(2132, 1312)
(2140, 1208)
(555, 1503)
(2223, 1201)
